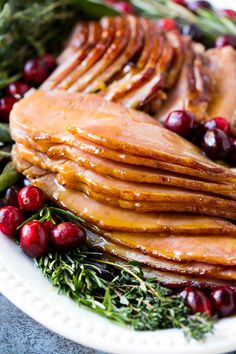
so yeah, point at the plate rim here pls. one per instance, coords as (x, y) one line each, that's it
(51, 311)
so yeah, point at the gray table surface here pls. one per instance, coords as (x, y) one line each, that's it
(19, 334)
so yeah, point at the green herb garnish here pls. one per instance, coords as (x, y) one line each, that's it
(210, 22)
(8, 177)
(120, 293)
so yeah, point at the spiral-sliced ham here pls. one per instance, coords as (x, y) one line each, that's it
(193, 268)
(127, 195)
(111, 218)
(109, 125)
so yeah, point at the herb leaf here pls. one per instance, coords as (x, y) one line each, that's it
(95, 9)
(8, 177)
(5, 136)
(120, 293)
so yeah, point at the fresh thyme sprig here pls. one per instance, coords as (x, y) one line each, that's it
(47, 213)
(29, 28)
(120, 293)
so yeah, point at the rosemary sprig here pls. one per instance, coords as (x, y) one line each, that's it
(211, 23)
(120, 293)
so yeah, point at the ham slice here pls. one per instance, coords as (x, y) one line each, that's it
(100, 151)
(108, 26)
(109, 125)
(133, 46)
(77, 39)
(135, 78)
(173, 280)
(145, 93)
(111, 218)
(189, 77)
(130, 173)
(69, 63)
(214, 250)
(144, 140)
(114, 50)
(140, 197)
(129, 254)
(223, 68)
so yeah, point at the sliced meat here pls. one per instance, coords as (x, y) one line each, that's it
(173, 280)
(134, 45)
(223, 100)
(129, 254)
(192, 90)
(154, 44)
(97, 150)
(146, 140)
(119, 43)
(156, 82)
(110, 218)
(108, 26)
(88, 115)
(127, 195)
(70, 64)
(137, 173)
(213, 250)
(78, 38)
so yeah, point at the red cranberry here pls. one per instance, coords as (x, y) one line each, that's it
(197, 301)
(31, 198)
(34, 239)
(167, 24)
(11, 196)
(124, 7)
(229, 13)
(50, 61)
(48, 224)
(10, 218)
(181, 122)
(192, 30)
(67, 235)
(224, 300)
(6, 104)
(231, 158)
(216, 144)
(227, 39)
(199, 4)
(198, 133)
(218, 122)
(180, 2)
(35, 71)
(17, 89)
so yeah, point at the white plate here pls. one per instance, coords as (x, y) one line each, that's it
(26, 287)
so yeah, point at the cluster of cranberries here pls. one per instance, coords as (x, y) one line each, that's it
(35, 71)
(221, 301)
(35, 236)
(213, 136)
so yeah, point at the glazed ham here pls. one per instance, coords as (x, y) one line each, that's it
(139, 197)
(109, 124)
(147, 69)
(144, 193)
